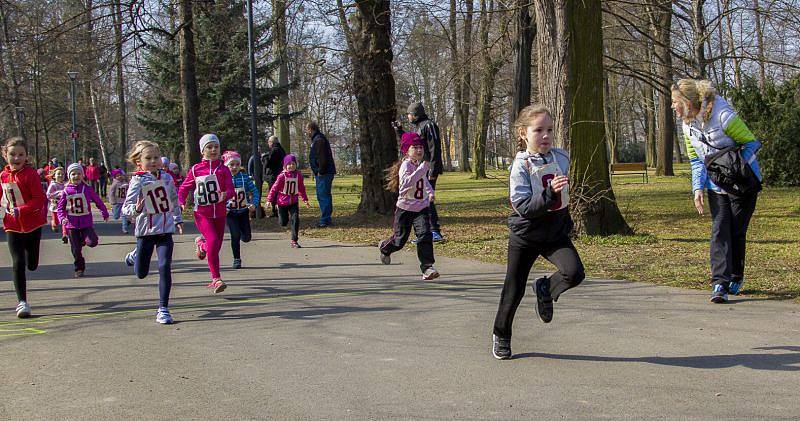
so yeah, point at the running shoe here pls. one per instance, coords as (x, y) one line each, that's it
(237, 263)
(437, 236)
(130, 258)
(386, 259)
(719, 294)
(163, 317)
(219, 286)
(429, 274)
(294, 244)
(199, 247)
(735, 287)
(23, 310)
(544, 301)
(501, 348)
(79, 274)
(124, 230)
(64, 239)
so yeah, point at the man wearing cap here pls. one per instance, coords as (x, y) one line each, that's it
(323, 167)
(273, 165)
(429, 132)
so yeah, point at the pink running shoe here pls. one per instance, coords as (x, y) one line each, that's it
(219, 286)
(200, 247)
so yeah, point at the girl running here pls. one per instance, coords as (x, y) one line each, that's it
(286, 189)
(409, 176)
(23, 202)
(75, 212)
(239, 209)
(538, 226)
(212, 184)
(54, 191)
(153, 201)
(116, 197)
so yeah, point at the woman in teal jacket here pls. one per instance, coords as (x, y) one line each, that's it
(710, 124)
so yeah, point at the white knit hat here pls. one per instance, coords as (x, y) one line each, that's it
(206, 139)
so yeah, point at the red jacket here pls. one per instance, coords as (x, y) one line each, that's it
(33, 213)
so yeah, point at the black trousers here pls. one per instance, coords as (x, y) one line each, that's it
(290, 215)
(270, 181)
(730, 217)
(24, 248)
(239, 227)
(434, 215)
(521, 255)
(403, 222)
(163, 246)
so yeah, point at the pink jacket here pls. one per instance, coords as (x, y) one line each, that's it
(92, 172)
(79, 221)
(210, 199)
(287, 196)
(415, 191)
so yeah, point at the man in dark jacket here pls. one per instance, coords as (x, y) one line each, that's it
(321, 160)
(273, 164)
(429, 132)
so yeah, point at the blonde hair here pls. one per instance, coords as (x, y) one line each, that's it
(697, 92)
(14, 141)
(55, 170)
(525, 119)
(135, 155)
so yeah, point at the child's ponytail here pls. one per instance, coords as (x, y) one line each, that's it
(393, 176)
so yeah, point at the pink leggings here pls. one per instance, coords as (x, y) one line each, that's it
(213, 230)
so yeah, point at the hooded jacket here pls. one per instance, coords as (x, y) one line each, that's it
(32, 214)
(80, 221)
(414, 190)
(54, 190)
(226, 190)
(288, 196)
(539, 214)
(153, 223)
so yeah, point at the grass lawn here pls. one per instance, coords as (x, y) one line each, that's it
(670, 246)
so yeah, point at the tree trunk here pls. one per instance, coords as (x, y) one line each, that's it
(457, 70)
(101, 138)
(553, 71)
(650, 124)
(466, 90)
(660, 24)
(122, 141)
(699, 45)
(737, 69)
(370, 50)
(762, 75)
(610, 120)
(521, 95)
(191, 103)
(280, 46)
(593, 205)
(485, 95)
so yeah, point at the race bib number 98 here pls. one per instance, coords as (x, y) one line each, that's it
(206, 192)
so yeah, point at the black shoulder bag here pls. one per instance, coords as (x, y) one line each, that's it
(730, 171)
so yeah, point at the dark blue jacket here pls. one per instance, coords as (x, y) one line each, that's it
(321, 157)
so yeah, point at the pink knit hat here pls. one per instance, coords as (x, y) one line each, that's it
(229, 156)
(408, 140)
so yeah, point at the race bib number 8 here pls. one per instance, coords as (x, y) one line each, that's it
(418, 191)
(77, 205)
(545, 174)
(156, 198)
(206, 192)
(290, 186)
(12, 196)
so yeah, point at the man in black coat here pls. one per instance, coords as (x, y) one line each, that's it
(324, 168)
(272, 161)
(429, 132)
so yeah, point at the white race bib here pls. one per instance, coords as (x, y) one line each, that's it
(12, 196)
(207, 192)
(77, 205)
(121, 192)
(540, 180)
(417, 191)
(240, 200)
(156, 198)
(290, 186)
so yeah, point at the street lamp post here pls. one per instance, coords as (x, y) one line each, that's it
(253, 101)
(74, 135)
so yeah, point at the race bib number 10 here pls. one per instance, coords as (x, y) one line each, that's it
(12, 196)
(290, 186)
(156, 198)
(206, 192)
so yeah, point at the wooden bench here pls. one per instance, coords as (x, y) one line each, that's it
(634, 168)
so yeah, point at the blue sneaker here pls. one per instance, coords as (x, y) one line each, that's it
(437, 236)
(163, 317)
(734, 287)
(719, 295)
(130, 258)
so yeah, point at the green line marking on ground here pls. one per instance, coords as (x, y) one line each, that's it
(27, 331)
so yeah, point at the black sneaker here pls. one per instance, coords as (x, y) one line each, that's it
(501, 348)
(544, 302)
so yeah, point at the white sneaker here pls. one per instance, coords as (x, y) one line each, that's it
(430, 273)
(163, 317)
(130, 258)
(23, 310)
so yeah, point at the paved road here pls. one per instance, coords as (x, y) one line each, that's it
(327, 332)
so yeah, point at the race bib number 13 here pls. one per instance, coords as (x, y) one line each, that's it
(156, 198)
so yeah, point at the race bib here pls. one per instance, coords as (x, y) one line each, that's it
(121, 192)
(77, 205)
(290, 186)
(206, 192)
(417, 191)
(156, 198)
(540, 180)
(240, 201)
(12, 196)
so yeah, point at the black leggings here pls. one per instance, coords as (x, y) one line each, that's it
(404, 222)
(24, 249)
(239, 227)
(730, 218)
(290, 215)
(163, 246)
(521, 255)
